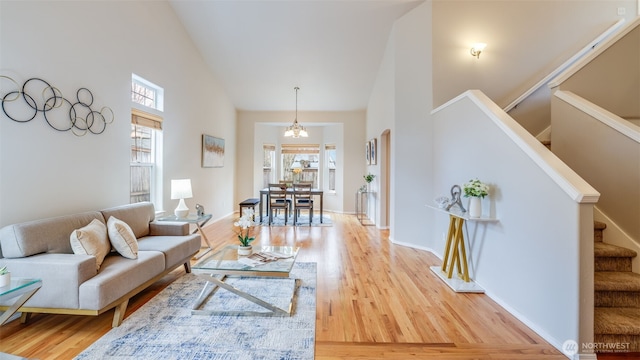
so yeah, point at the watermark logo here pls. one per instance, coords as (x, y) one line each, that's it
(570, 347)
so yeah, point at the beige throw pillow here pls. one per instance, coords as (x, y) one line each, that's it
(91, 240)
(122, 238)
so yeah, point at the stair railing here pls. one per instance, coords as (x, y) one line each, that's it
(589, 47)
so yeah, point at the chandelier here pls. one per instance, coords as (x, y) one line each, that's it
(296, 130)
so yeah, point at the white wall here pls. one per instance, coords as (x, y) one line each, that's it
(540, 244)
(381, 117)
(584, 152)
(429, 156)
(411, 138)
(616, 70)
(345, 129)
(526, 40)
(98, 45)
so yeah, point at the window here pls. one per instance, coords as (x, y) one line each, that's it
(330, 160)
(146, 142)
(268, 164)
(300, 163)
(146, 93)
(145, 129)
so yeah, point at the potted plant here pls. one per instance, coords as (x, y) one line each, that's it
(369, 178)
(245, 222)
(475, 190)
(5, 276)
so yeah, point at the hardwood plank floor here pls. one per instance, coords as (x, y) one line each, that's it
(375, 300)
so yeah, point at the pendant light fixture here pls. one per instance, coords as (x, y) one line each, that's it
(296, 130)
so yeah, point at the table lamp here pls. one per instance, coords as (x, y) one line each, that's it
(181, 189)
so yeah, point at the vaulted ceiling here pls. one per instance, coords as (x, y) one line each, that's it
(260, 50)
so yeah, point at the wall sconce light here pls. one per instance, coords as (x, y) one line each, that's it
(477, 49)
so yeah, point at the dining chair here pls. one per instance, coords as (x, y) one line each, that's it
(278, 200)
(302, 200)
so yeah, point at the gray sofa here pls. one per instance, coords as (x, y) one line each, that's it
(71, 284)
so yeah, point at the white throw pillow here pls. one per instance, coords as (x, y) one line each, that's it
(122, 238)
(91, 240)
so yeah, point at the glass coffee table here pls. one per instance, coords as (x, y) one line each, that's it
(265, 262)
(20, 288)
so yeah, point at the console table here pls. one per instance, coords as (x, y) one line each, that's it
(455, 252)
(362, 207)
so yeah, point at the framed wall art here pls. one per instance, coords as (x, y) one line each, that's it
(212, 151)
(373, 151)
(367, 152)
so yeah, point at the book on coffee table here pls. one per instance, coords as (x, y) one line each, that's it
(263, 257)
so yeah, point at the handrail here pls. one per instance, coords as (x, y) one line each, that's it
(564, 65)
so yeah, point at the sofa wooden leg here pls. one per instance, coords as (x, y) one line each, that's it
(187, 267)
(118, 315)
(24, 317)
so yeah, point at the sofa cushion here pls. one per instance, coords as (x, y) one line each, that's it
(118, 276)
(122, 238)
(43, 236)
(137, 216)
(175, 249)
(91, 240)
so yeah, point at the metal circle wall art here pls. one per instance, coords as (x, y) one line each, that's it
(36, 96)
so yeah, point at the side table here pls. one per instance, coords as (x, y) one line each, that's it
(199, 221)
(20, 288)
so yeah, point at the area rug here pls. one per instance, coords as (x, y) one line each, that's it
(164, 327)
(303, 220)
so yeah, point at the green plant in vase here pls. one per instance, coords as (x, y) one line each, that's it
(369, 178)
(475, 190)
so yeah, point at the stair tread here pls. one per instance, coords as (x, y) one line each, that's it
(607, 250)
(619, 321)
(616, 281)
(599, 225)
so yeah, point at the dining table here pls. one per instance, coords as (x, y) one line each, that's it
(264, 193)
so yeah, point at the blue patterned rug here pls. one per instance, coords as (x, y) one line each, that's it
(164, 327)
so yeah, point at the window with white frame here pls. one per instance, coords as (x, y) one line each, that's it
(300, 163)
(268, 164)
(330, 161)
(146, 93)
(146, 142)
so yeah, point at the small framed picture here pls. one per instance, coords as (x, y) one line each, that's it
(367, 152)
(212, 151)
(373, 151)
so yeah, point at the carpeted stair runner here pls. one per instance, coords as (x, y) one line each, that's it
(617, 294)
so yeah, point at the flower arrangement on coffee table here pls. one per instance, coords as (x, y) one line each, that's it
(245, 223)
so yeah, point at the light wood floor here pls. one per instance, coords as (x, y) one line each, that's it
(375, 300)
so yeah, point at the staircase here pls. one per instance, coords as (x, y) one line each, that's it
(617, 297)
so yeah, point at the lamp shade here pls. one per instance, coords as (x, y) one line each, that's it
(181, 189)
